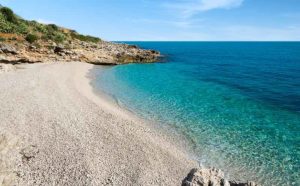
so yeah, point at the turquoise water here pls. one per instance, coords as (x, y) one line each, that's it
(238, 103)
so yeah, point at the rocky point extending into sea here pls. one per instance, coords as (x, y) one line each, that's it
(102, 52)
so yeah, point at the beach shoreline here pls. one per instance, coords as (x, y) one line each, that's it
(55, 129)
(113, 105)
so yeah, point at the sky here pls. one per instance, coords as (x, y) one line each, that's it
(169, 20)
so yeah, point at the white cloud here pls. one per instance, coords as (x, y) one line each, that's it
(189, 8)
(214, 4)
(183, 24)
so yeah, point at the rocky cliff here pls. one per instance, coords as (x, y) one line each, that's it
(30, 41)
(102, 52)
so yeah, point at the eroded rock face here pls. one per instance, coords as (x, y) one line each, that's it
(106, 53)
(210, 177)
(5, 48)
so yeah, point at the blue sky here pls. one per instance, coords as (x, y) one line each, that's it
(169, 20)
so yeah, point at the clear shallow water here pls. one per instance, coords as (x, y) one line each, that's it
(238, 103)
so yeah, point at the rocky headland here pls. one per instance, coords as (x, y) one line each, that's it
(102, 52)
(31, 42)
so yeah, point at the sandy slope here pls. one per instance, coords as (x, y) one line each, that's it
(55, 131)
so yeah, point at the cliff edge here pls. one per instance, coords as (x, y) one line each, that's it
(31, 42)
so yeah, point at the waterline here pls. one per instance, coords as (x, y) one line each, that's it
(222, 98)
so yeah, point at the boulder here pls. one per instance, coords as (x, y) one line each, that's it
(133, 46)
(59, 49)
(210, 177)
(5, 48)
(32, 47)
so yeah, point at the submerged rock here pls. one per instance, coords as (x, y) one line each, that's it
(210, 177)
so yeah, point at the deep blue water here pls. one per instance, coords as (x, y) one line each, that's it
(237, 102)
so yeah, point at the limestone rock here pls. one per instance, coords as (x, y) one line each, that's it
(5, 48)
(210, 177)
(103, 53)
(59, 49)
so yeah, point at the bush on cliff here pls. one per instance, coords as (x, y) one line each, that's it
(31, 38)
(37, 27)
(87, 38)
(9, 15)
(59, 38)
(53, 27)
(10, 23)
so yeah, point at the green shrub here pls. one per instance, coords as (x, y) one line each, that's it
(45, 37)
(40, 28)
(92, 39)
(59, 38)
(9, 23)
(9, 15)
(87, 38)
(31, 38)
(21, 28)
(5, 26)
(54, 36)
(53, 27)
(73, 31)
(2, 39)
(37, 27)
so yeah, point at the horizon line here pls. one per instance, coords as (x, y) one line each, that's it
(198, 41)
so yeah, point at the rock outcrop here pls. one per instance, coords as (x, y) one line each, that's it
(7, 49)
(210, 177)
(105, 53)
(30, 41)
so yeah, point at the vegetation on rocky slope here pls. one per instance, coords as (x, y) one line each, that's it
(30, 41)
(13, 27)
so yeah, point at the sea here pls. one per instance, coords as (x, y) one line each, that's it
(237, 103)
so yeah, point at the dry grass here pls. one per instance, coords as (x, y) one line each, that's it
(8, 36)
